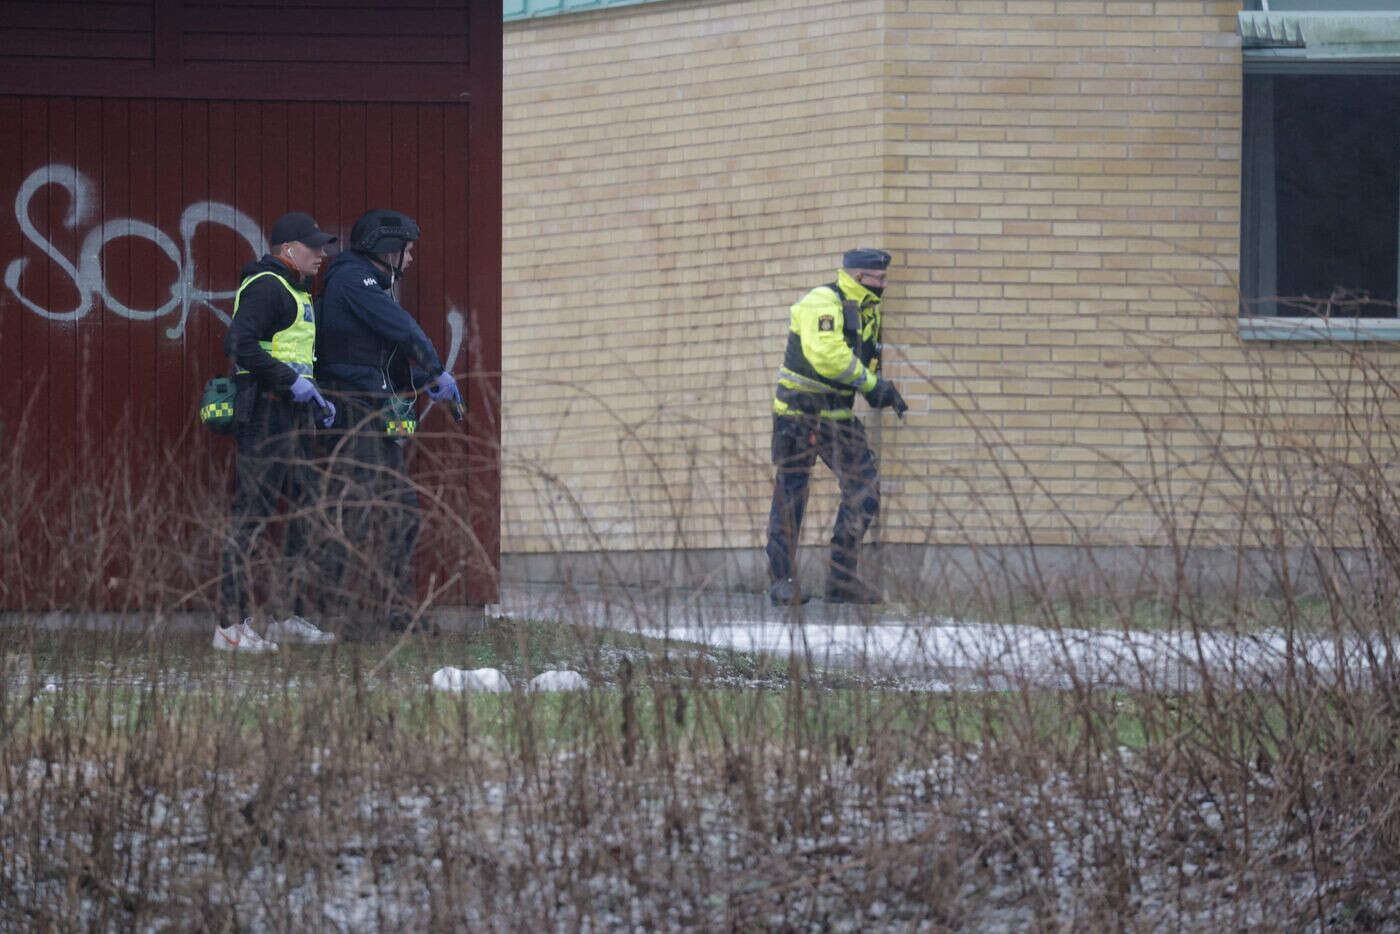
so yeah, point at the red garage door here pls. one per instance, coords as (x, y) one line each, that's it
(124, 223)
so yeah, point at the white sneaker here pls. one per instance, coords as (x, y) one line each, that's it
(296, 629)
(242, 638)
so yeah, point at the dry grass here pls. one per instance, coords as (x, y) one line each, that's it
(145, 783)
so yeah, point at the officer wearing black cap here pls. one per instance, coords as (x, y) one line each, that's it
(833, 352)
(373, 357)
(271, 339)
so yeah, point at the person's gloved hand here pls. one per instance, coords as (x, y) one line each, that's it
(883, 395)
(444, 388)
(304, 391)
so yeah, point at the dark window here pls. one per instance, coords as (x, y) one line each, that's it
(1320, 232)
(1351, 6)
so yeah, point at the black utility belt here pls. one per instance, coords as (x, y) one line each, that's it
(811, 403)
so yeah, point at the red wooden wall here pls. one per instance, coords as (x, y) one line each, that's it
(144, 147)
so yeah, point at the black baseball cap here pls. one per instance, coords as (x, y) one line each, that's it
(300, 227)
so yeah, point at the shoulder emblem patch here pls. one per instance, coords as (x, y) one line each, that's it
(826, 323)
(370, 280)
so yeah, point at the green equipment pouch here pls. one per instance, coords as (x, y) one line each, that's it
(216, 405)
(400, 418)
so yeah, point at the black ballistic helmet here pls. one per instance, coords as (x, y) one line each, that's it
(383, 232)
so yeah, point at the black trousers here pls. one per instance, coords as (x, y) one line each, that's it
(798, 440)
(370, 517)
(275, 452)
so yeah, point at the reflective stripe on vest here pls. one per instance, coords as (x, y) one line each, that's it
(296, 344)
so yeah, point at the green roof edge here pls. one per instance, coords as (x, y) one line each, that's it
(533, 9)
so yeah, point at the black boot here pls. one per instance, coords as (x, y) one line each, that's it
(842, 584)
(852, 590)
(785, 592)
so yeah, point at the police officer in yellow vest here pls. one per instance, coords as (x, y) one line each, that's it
(271, 340)
(833, 351)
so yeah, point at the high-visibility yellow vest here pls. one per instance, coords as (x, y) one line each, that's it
(296, 344)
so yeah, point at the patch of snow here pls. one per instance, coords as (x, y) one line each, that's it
(490, 680)
(974, 654)
(559, 681)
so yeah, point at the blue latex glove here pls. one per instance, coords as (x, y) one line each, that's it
(304, 390)
(443, 388)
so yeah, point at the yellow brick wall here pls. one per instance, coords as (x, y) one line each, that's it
(1063, 191)
(676, 174)
(1058, 182)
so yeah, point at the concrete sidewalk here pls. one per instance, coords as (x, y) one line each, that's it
(620, 606)
(658, 607)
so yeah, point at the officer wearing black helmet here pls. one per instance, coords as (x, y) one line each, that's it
(371, 358)
(832, 353)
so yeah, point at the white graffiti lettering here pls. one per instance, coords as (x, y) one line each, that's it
(90, 280)
(88, 276)
(79, 210)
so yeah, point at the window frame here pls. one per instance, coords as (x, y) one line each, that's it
(1254, 327)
